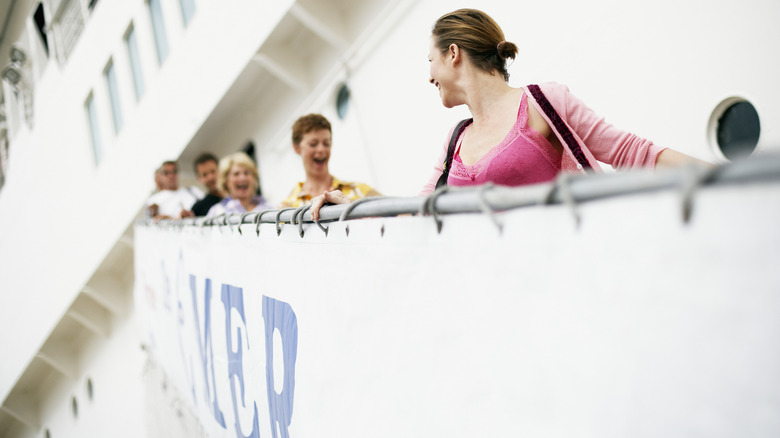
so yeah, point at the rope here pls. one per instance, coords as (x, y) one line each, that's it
(301, 210)
(693, 178)
(278, 223)
(428, 207)
(562, 186)
(351, 206)
(486, 208)
(241, 222)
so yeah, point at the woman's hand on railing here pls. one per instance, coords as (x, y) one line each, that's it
(332, 197)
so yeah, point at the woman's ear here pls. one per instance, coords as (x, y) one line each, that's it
(454, 53)
(297, 148)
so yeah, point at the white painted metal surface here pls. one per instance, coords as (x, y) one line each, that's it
(244, 70)
(631, 323)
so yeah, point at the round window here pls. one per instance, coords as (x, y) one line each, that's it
(736, 128)
(90, 390)
(342, 101)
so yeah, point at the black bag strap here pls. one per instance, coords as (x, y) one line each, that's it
(560, 126)
(451, 152)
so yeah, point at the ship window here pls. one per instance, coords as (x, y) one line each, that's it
(113, 94)
(342, 101)
(738, 130)
(40, 25)
(67, 27)
(94, 131)
(187, 10)
(90, 390)
(735, 128)
(158, 28)
(135, 62)
(249, 149)
(3, 157)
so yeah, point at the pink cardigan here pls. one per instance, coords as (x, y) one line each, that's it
(598, 140)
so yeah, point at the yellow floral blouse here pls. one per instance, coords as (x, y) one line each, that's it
(352, 190)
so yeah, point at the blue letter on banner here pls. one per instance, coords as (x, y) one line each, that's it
(279, 315)
(233, 298)
(206, 351)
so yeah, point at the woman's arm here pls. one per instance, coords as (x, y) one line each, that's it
(608, 144)
(611, 145)
(438, 168)
(332, 197)
(671, 158)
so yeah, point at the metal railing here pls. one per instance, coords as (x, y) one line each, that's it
(567, 189)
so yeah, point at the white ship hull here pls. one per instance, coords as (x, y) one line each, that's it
(242, 71)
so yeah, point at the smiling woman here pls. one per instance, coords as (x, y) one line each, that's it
(515, 136)
(311, 139)
(238, 178)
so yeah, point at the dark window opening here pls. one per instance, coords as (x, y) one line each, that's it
(249, 149)
(342, 101)
(40, 24)
(90, 390)
(738, 131)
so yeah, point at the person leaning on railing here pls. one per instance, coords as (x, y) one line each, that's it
(170, 201)
(516, 136)
(206, 167)
(311, 139)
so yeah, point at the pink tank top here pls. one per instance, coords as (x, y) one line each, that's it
(523, 157)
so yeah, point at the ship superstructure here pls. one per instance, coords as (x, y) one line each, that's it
(97, 93)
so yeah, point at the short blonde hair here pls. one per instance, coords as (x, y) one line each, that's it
(227, 162)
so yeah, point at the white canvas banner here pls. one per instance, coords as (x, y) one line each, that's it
(628, 322)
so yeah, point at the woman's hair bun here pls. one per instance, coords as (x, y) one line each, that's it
(506, 49)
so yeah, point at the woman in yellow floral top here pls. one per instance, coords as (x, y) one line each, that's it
(311, 138)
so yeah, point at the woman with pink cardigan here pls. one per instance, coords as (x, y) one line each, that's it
(516, 136)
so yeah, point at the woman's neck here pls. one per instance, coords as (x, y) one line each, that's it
(488, 96)
(248, 203)
(317, 185)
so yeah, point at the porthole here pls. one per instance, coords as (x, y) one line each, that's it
(47, 434)
(342, 101)
(734, 128)
(90, 390)
(75, 407)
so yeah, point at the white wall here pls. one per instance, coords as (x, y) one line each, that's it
(53, 185)
(627, 322)
(658, 69)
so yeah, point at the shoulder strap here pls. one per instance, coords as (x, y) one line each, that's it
(451, 152)
(560, 126)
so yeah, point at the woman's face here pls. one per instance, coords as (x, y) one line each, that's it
(314, 150)
(441, 74)
(240, 182)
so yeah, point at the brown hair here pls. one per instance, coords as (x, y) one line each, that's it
(205, 157)
(308, 123)
(478, 35)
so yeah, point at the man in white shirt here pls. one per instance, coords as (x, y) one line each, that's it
(170, 201)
